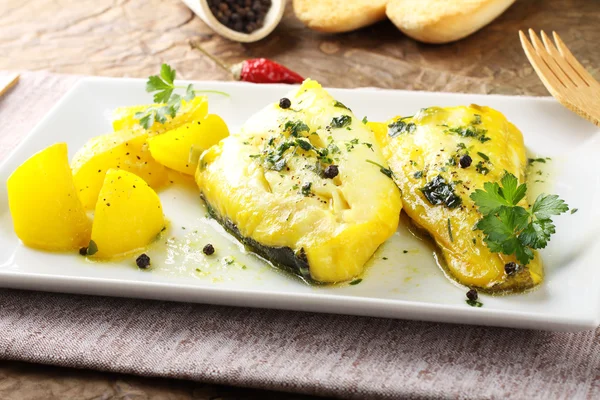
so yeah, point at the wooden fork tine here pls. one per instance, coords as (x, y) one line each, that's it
(564, 71)
(572, 61)
(546, 75)
(547, 59)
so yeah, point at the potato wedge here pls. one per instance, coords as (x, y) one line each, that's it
(128, 215)
(46, 211)
(197, 108)
(124, 117)
(127, 150)
(173, 148)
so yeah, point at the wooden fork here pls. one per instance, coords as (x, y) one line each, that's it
(564, 77)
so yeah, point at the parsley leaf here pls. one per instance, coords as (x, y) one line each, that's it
(168, 103)
(511, 229)
(162, 84)
(547, 205)
(189, 93)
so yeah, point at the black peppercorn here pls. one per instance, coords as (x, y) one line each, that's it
(244, 16)
(143, 261)
(472, 295)
(465, 161)
(208, 249)
(285, 103)
(511, 268)
(331, 172)
(83, 251)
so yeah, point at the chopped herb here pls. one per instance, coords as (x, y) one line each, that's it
(438, 191)
(384, 258)
(356, 282)
(404, 251)
(341, 121)
(365, 120)
(399, 127)
(350, 144)
(573, 211)
(485, 157)
(304, 144)
(198, 270)
(511, 229)
(413, 163)
(474, 303)
(92, 248)
(295, 128)
(339, 104)
(418, 175)
(539, 160)
(476, 119)
(470, 131)
(306, 188)
(474, 241)
(451, 162)
(229, 260)
(450, 230)
(369, 145)
(481, 168)
(386, 171)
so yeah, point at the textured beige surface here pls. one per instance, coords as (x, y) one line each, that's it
(130, 38)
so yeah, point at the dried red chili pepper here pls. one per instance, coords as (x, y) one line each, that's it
(261, 70)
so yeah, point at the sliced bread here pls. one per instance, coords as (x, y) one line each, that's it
(443, 21)
(339, 15)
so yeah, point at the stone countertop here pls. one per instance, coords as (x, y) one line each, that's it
(133, 37)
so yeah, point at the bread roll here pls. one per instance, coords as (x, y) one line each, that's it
(339, 15)
(443, 21)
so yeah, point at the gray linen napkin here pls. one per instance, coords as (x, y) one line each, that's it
(343, 356)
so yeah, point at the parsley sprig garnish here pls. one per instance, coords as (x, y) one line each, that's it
(511, 229)
(168, 102)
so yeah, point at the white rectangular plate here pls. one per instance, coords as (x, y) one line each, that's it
(407, 284)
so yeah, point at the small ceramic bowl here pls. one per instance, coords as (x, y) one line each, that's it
(201, 9)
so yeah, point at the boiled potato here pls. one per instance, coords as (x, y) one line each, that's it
(125, 149)
(128, 215)
(124, 117)
(197, 108)
(44, 205)
(173, 148)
